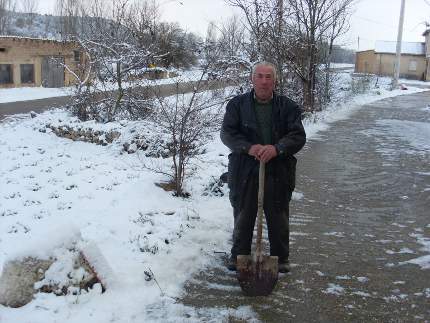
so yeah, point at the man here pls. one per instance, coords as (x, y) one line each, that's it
(262, 126)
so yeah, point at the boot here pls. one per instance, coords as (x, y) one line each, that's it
(283, 266)
(231, 263)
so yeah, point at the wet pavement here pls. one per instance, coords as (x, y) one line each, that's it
(365, 210)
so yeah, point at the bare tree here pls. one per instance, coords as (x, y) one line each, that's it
(68, 11)
(312, 22)
(143, 18)
(188, 121)
(339, 27)
(232, 37)
(258, 14)
(290, 34)
(6, 8)
(29, 7)
(118, 61)
(266, 26)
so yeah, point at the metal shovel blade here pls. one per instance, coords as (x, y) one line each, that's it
(257, 277)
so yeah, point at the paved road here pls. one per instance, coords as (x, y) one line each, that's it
(40, 105)
(11, 108)
(364, 211)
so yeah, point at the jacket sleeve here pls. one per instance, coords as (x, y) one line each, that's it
(231, 134)
(295, 138)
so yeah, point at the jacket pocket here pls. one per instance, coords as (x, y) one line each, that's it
(233, 166)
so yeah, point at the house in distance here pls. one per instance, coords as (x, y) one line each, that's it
(414, 64)
(38, 62)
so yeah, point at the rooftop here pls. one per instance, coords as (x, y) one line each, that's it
(412, 48)
(34, 39)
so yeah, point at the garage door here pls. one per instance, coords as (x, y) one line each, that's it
(53, 71)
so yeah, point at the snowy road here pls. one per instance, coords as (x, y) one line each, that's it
(43, 104)
(360, 242)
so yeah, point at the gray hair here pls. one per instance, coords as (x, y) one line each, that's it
(264, 63)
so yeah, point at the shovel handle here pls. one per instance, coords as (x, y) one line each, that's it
(261, 176)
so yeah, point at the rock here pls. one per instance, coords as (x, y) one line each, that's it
(126, 145)
(87, 135)
(80, 277)
(111, 136)
(18, 278)
(33, 114)
(132, 149)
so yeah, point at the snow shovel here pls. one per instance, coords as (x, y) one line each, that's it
(258, 275)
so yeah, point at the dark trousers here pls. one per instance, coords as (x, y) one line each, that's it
(277, 219)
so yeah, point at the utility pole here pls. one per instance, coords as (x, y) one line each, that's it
(395, 81)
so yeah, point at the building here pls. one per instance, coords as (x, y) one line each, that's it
(38, 62)
(414, 64)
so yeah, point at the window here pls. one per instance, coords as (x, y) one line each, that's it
(412, 65)
(76, 56)
(2, 49)
(6, 74)
(27, 73)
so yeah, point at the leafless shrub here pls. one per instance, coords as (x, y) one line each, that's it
(187, 123)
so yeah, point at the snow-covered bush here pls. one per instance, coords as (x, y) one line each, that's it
(187, 122)
(361, 83)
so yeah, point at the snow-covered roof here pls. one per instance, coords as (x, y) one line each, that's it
(412, 48)
(34, 38)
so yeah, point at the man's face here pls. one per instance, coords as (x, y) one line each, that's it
(263, 82)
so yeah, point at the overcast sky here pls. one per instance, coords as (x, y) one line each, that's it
(372, 19)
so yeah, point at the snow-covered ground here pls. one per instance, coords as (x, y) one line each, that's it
(34, 93)
(58, 194)
(345, 105)
(342, 65)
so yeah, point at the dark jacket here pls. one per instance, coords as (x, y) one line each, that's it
(240, 131)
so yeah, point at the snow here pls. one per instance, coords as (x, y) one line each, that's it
(35, 93)
(335, 234)
(342, 65)
(32, 38)
(344, 277)
(75, 192)
(58, 196)
(416, 133)
(422, 261)
(401, 251)
(413, 48)
(32, 93)
(347, 106)
(334, 289)
(363, 279)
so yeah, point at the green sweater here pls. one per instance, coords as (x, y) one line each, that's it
(263, 113)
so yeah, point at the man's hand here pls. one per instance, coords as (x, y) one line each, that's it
(255, 151)
(267, 153)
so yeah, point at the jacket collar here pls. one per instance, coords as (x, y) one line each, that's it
(250, 112)
(275, 104)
